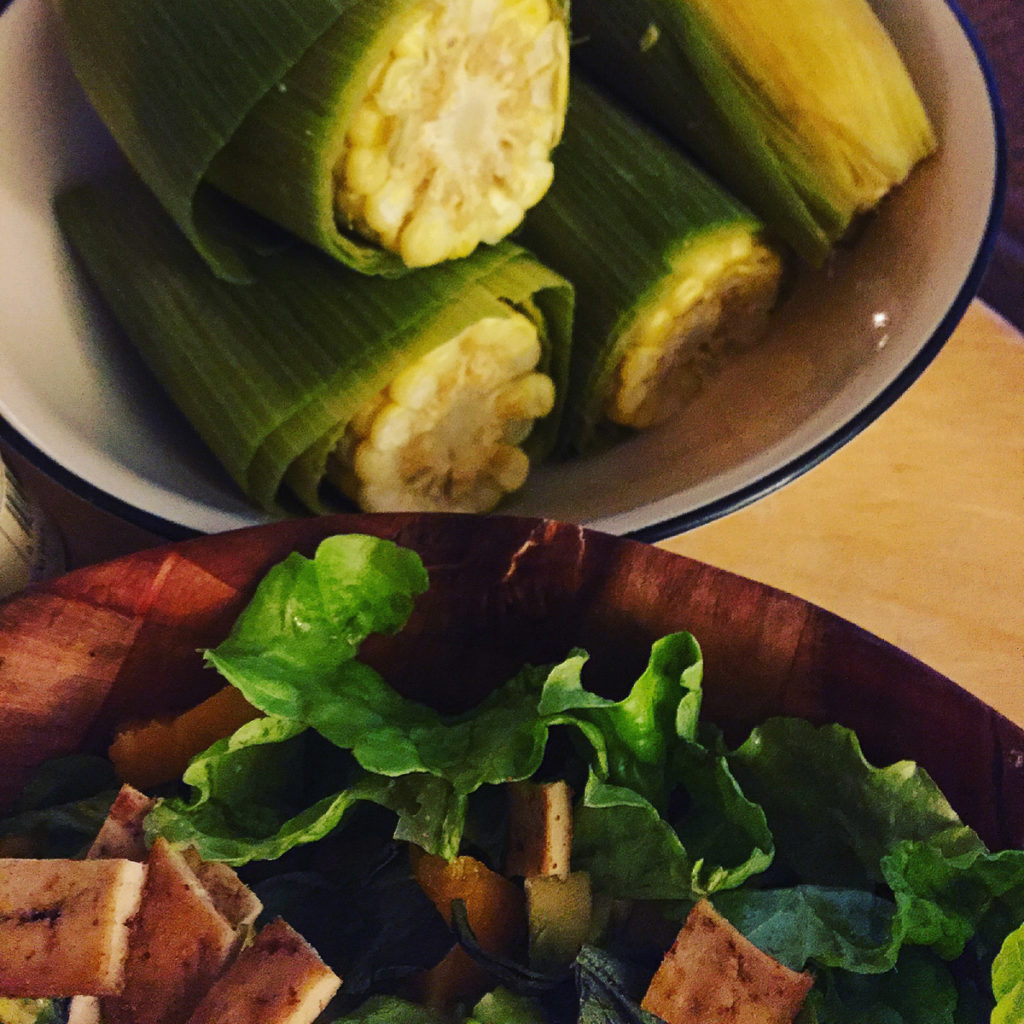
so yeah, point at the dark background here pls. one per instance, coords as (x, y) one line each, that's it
(1000, 28)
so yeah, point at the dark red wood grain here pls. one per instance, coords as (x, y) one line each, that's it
(121, 639)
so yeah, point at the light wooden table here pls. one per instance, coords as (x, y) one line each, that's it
(915, 529)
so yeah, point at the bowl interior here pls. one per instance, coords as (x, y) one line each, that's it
(119, 640)
(849, 340)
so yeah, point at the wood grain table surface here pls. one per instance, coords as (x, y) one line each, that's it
(915, 528)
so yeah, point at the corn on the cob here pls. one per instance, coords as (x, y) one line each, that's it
(803, 108)
(670, 271)
(450, 144)
(429, 392)
(444, 434)
(389, 133)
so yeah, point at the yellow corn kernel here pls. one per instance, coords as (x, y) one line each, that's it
(717, 299)
(529, 397)
(367, 127)
(445, 434)
(425, 239)
(509, 467)
(451, 144)
(387, 209)
(366, 170)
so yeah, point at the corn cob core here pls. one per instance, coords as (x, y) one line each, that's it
(451, 143)
(444, 435)
(716, 300)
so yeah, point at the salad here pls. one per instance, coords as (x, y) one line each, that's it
(348, 810)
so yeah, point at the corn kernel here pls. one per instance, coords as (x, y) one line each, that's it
(367, 127)
(392, 428)
(424, 241)
(387, 208)
(366, 170)
(470, 100)
(527, 397)
(509, 467)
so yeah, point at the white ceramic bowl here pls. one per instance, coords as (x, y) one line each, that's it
(850, 340)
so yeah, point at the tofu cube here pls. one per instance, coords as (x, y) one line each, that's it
(714, 973)
(279, 979)
(64, 925)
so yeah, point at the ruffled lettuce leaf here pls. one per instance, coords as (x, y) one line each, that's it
(944, 898)
(844, 826)
(631, 851)
(274, 784)
(920, 990)
(835, 816)
(633, 739)
(504, 1007)
(1008, 980)
(294, 646)
(814, 925)
(293, 654)
(392, 1010)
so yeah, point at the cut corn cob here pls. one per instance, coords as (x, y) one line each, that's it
(430, 392)
(803, 108)
(670, 271)
(444, 433)
(389, 133)
(450, 143)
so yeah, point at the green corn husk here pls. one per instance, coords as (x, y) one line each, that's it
(802, 108)
(628, 216)
(270, 373)
(245, 97)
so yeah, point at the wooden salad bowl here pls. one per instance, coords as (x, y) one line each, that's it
(120, 640)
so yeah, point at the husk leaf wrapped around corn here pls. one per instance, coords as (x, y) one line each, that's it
(802, 108)
(670, 271)
(389, 133)
(429, 392)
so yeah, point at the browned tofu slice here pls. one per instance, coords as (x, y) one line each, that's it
(279, 979)
(64, 925)
(239, 905)
(121, 834)
(539, 829)
(714, 973)
(179, 945)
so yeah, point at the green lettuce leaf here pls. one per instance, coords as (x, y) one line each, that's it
(1008, 980)
(274, 784)
(504, 1007)
(633, 738)
(944, 898)
(835, 816)
(631, 851)
(392, 1010)
(919, 991)
(816, 926)
(294, 646)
